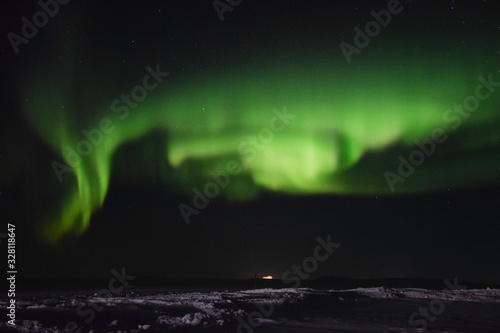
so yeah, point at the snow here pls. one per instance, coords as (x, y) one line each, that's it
(378, 309)
(464, 295)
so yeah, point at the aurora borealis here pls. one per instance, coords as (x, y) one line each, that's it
(339, 116)
(115, 105)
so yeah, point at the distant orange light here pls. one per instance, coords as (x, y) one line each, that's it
(269, 277)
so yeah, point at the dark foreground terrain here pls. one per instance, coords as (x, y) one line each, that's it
(147, 309)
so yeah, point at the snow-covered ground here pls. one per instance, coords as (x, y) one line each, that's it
(387, 310)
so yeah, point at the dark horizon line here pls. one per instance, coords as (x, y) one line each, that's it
(325, 281)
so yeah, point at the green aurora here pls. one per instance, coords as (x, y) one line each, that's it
(350, 124)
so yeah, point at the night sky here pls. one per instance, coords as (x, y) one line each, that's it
(116, 116)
